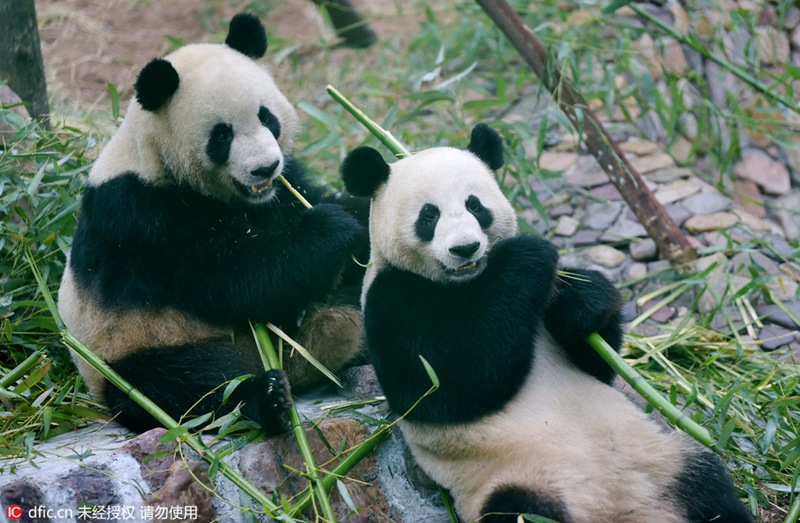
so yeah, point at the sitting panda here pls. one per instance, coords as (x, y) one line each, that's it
(185, 235)
(524, 421)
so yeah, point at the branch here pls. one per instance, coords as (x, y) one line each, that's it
(672, 244)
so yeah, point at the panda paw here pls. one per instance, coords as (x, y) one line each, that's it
(526, 254)
(269, 402)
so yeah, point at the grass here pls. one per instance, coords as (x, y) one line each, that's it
(428, 81)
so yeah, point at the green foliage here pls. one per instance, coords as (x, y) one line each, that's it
(41, 173)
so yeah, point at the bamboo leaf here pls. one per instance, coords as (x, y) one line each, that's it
(431, 373)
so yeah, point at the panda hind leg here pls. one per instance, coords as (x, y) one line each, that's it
(706, 492)
(334, 335)
(508, 502)
(189, 380)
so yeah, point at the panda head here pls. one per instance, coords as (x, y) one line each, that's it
(214, 119)
(436, 213)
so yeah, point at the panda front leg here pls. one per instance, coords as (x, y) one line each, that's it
(189, 380)
(582, 303)
(506, 504)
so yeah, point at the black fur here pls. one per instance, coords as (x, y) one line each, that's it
(193, 371)
(705, 490)
(247, 35)
(425, 226)
(363, 171)
(219, 143)
(481, 213)
(581, 305)
(269, 121)
(478, 336)
(507, 503)
(156, 83)
(139, 245)
(486, 144)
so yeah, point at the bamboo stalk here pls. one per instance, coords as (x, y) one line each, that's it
(386, 138)
(318, 489)
(652, 396)
(195, 443)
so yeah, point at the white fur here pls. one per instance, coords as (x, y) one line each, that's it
(566, 434)
(217, 85)
(426, 177)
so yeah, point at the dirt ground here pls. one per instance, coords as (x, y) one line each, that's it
(88, 44)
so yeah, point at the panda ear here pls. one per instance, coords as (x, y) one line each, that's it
(156, 83)
(487, 145)
(246, 34)
(363, 171)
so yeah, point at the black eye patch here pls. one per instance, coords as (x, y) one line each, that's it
(269, 121)
(481, 213)
(218, 147)
(426, 222)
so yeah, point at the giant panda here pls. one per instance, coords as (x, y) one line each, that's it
(525, 420)
(185, 235)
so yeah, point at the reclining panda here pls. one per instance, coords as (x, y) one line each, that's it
(524, 421)
(185, 235)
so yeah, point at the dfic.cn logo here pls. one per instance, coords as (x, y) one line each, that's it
(13, 512)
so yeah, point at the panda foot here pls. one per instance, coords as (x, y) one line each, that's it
(269, 400)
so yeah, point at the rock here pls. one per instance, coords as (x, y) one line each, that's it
(704, 262)
(585, 238)
(756, 225)
(653, 162)
(749, 198)
(27, 496)
(154, 457)
(628, 311)
(607, 192)
(359, 382)
(782, 288)
(662, 315)
(710, 222)
(774, 314)
(678, 213)
(566, 226)
(605, 256)
(644, 250)
(774, 337)
(624, 230)
(772, 45)
(771, 175)
(668, 175)
(787, 216)
(92, 486)
(561, 210)
(187, 487)
(790, 269)
(585, 173)
(720, 285)
(638, 147)
(796, 38)
(600, 216)
(744, 260)
(682, 150)
(636, 271)
(557, 161)
(677, 190)
(706, 202)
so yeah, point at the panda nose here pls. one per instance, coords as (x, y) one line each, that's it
(466, 250)
(266, 172)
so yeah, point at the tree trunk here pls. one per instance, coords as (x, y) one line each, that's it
(21, 55)
(354, 30)
(672, 244)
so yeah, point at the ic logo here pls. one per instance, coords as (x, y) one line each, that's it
(13, 512)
